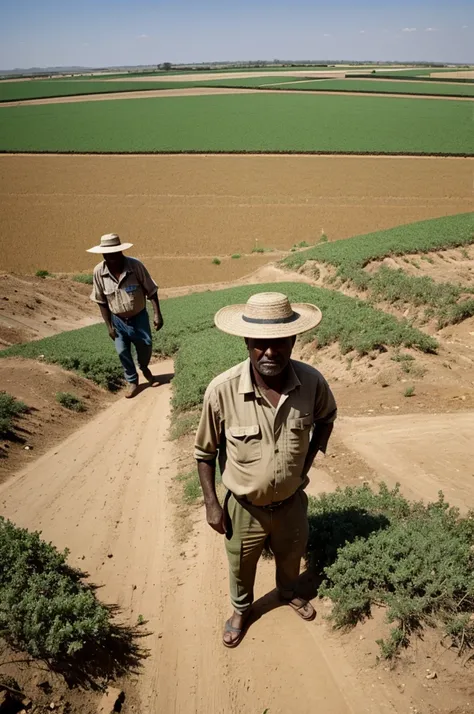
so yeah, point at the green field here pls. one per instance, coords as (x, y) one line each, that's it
(379, 86)
(250, 123)
(49, 88)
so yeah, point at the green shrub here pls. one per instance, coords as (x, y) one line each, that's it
(235, 256)
(416, 560)
(409, 392)
(70, 401)
(42, 273)
(216, 261)
(9, 409)
(45, 608)
(258, 249)
(86, 278)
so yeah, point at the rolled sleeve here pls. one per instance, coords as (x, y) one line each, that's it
(97, 294)
(207, 437)
(146, 281)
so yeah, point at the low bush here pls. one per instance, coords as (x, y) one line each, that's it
(235, 256)
(216, 261)
(42, 273)
(46, 609)
(10, 408)
(70, 401)
(379, 549)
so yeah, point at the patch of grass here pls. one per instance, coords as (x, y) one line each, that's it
(70, 401)
(259, 122)
(409, 392)
(324, 238)
(383, 87)
(191, 486)
(10, 408)
(183, 423)
(203, 352)
(86, 278)
(398, 357)
(216, 261)
(235, 256)
(416, 560)
(45, 608)
(43, 274)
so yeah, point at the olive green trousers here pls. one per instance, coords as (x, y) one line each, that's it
(249, 527)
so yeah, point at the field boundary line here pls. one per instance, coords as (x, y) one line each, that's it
(227, 152)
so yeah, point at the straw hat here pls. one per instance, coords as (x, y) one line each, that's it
(268, 315)
(110, 243)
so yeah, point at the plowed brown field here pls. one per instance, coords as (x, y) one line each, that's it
(181, 211)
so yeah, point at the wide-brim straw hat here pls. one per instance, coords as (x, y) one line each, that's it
(268, 315)
(110, 243)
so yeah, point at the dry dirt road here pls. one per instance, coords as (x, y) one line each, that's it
(107, 492)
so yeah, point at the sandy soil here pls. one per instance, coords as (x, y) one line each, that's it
(47, 423)
(31, 308)
(205, 91)
(194, 206)
(122, 531)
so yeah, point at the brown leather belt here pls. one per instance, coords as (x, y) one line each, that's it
(268, 507)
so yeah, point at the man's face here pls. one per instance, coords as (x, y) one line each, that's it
(114, 260)
(270, 357)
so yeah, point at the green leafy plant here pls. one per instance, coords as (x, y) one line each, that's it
(191, 486)
(43, 274)
(45, 607)
(216, 261)
(416, 560)
(86, 278)
(70, 401)
(409, 392)
(10, 408)
(235, 256)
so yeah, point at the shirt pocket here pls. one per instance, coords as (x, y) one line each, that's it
(298, 434)
(244, 443)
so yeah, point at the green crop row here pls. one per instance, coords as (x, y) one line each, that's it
(48, 88)
(249, 123)
(382, 87)
(203, 351)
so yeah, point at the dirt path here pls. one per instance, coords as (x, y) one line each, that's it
(105, 494)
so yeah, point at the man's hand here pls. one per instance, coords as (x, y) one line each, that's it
(215, 517)
(158, 322)
(112, 333)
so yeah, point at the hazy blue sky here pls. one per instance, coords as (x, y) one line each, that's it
(111, 32)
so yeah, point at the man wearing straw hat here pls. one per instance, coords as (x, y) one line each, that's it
(264, 420)
(120, 288)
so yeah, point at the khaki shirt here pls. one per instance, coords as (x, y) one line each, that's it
(262, 450)
(127, 295)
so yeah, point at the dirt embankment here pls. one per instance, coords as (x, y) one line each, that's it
(31, 308)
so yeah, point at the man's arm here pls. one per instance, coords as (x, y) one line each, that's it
(214, 511)
(158, 318)
(319, 441)
(107, 318)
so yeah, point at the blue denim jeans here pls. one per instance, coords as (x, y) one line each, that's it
(134, 331)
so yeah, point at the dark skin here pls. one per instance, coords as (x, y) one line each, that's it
(116, 264)
(269, 359)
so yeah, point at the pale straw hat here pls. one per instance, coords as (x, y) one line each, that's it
(109, 243)
(268, 315)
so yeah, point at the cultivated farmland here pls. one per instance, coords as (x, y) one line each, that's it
(249, 123)
(182, 211)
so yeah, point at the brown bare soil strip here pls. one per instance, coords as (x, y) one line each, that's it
(208, 91)
(463, 74)
(186, 207)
